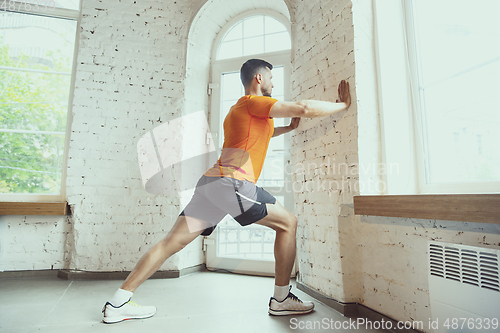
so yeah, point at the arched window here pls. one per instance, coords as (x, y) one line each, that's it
(257, 34)
(251, 36)
(264, 35)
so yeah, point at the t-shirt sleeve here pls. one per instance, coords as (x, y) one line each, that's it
(260, 106)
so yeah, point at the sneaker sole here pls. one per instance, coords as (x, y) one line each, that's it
(115, 320)
(288, 312)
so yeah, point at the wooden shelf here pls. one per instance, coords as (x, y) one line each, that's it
(483, 208)
(34, 208)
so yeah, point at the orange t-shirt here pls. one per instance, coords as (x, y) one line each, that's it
(247, 131)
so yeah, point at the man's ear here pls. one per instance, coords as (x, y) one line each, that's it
(258, 77)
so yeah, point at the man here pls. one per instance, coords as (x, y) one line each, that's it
(229, 188)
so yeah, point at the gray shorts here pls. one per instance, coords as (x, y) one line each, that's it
(215, 197)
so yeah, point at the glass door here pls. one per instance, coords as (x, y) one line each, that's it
(249, 249)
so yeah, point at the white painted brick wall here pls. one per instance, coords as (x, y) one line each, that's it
(323, 55)
(130, 79)
(34, 242)
(393, 260)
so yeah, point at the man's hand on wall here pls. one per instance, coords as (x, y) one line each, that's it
(294, 123)
(344, 94)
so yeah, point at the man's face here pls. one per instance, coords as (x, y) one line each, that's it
(267, 85)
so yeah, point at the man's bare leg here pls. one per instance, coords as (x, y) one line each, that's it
(177, 238)
(283, 302)
(120, 308)
(285, 225)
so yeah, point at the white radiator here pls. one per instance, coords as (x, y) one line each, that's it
(464, 288)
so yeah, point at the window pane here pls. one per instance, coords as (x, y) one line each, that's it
(273, 172)
(278, 81)
(36, 56)
(30, 163)
(451, 34)
(231, 86)
(247, 37)
(272, 25)
(253, 45)
(458, 61)
(253, 26)
(230, 49)
(252, 242)
(43, 7)
(236, 32)
(278, 42)
(69, 4)
(226, 106)
(37, 42)
(33, 101)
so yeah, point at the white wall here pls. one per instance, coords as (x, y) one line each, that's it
(393, 256)
(34, 242)
(323, 151)
(130, 79)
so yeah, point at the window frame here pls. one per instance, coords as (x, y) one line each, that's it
(479, 205)
(36, 199)
(423, 186)
(222, 32)
(217, 67)
(406, 110)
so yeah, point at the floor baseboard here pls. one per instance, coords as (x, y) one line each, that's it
(28, 274)
(69, 274)
(346, 309)
(353, 309)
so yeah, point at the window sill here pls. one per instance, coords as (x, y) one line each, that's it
(482, 208)
(34, 208)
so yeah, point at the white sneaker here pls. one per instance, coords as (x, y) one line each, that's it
(291, 305)
(126, 311)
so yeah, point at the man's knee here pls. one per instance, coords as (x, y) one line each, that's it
(175, 245)
(177, 242)
(293, 223)
(289, 224)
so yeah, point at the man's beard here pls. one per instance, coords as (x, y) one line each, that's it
(265, 92)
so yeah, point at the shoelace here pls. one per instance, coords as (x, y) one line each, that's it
(295, 298)
(134, 304)
(290, 295)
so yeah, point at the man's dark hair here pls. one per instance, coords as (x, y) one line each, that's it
(251, 68)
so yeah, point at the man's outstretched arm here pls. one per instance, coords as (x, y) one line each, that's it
(285, 129)
(313, 108)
